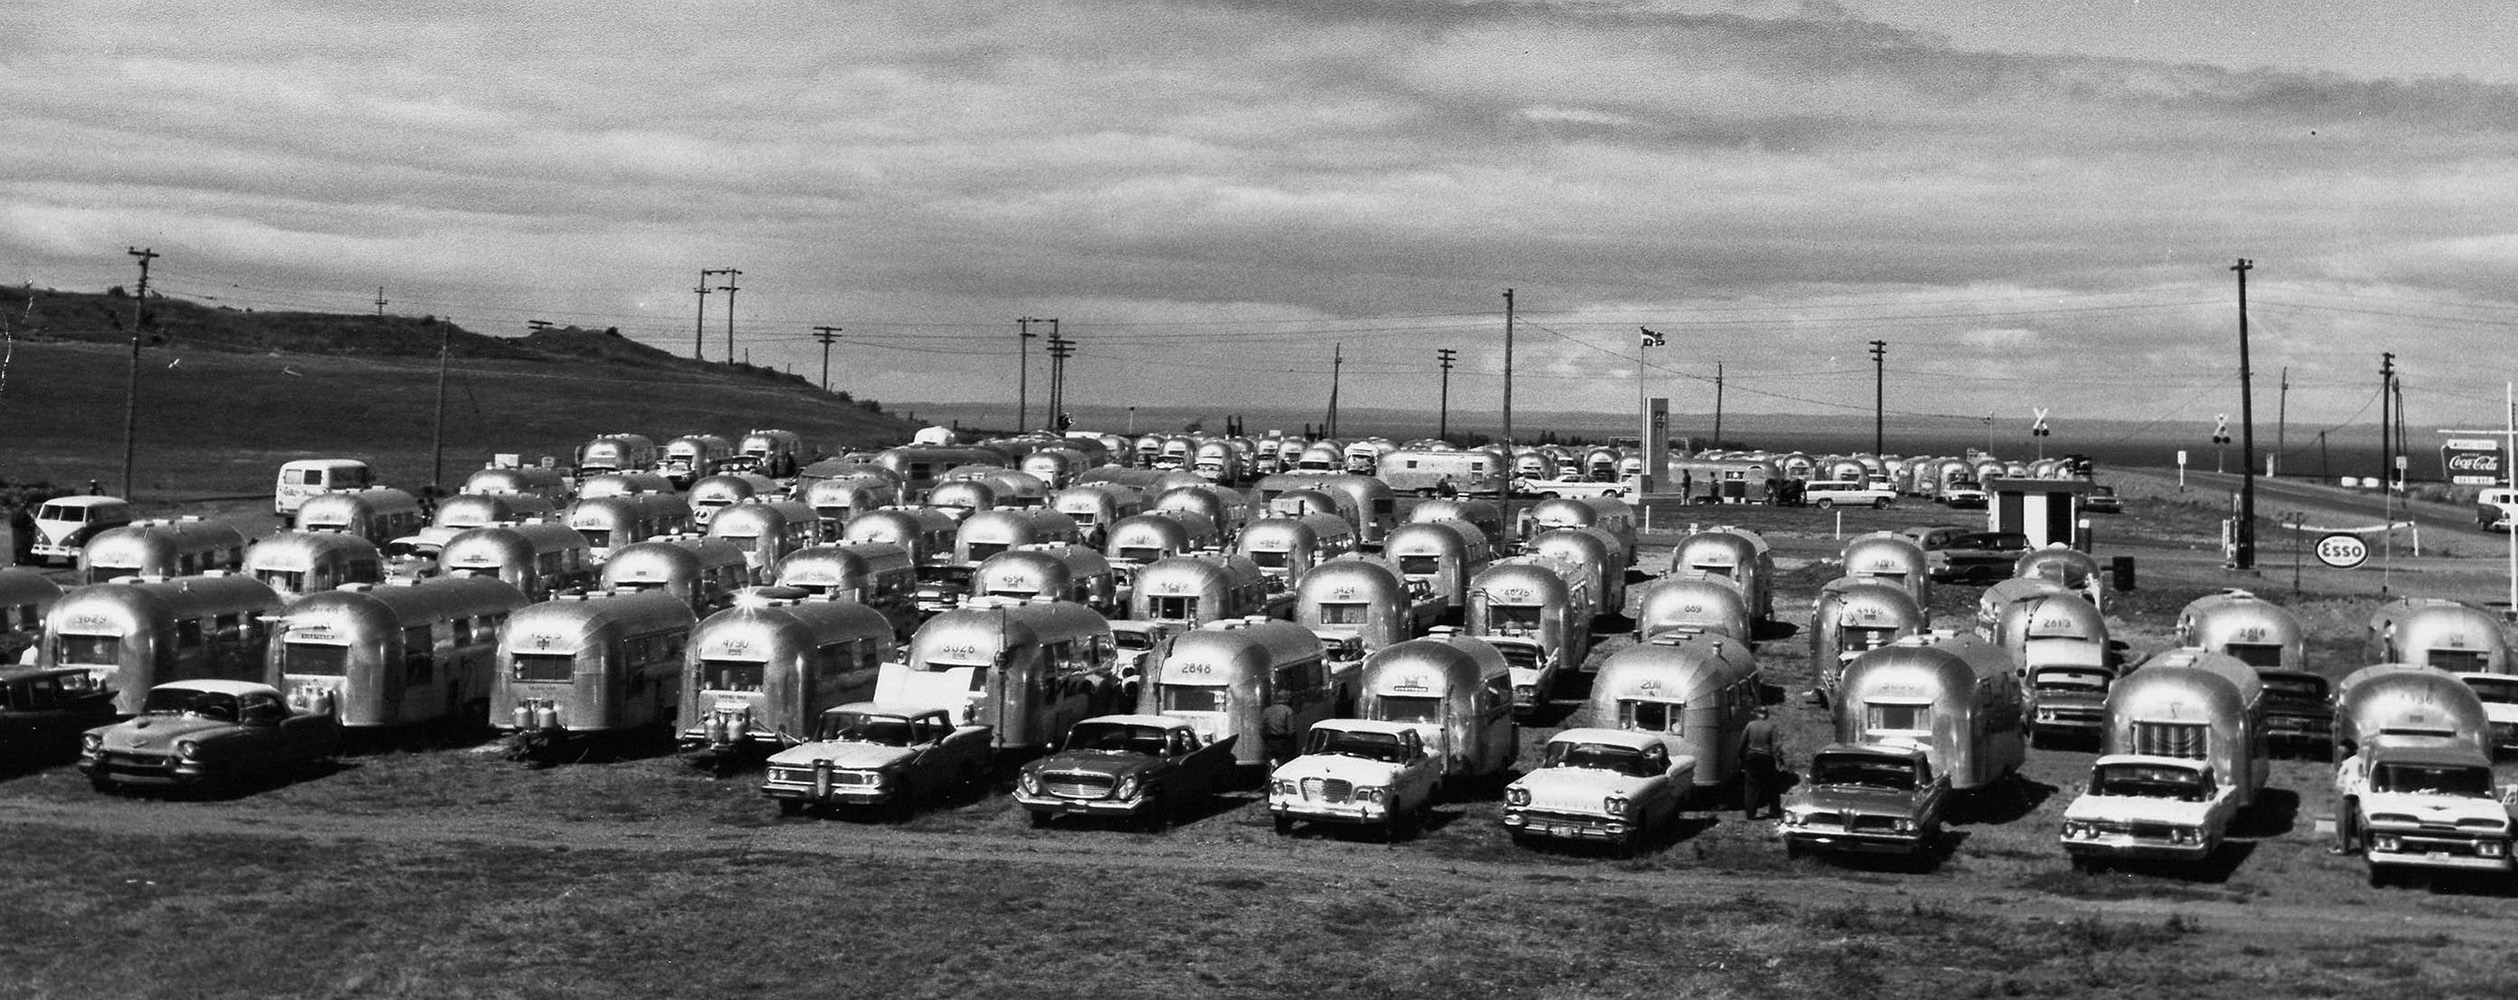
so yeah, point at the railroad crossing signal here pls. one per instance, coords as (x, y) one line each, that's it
(2220, 428)
(2039, 428)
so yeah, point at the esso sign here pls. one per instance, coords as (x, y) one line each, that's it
(2342, 550)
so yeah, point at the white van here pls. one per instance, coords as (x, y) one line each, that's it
(2493, 506)
(308, 477)
(64, 524)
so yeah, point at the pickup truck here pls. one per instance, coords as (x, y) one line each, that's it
(1358, 772)
(1977, 557)
(2413, 802)
(1866, 798)
(1141, 767)
(2143, 807)
(1535, 667)
(1577, 489)
(865, 754)
(1825, 493)
(1614, 785)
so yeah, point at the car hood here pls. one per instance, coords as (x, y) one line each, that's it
(844, 755)
(1330, 765)
(2137, 808)
(157, 733)
(1851, 798)
(1578, 789)
(1116, 765)
(2501, 712)
(2432, 808)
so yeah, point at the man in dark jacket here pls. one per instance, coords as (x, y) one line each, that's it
(1761, 769)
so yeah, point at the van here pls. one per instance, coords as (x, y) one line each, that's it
(64, 524)
(2493, 506)
(307, 477)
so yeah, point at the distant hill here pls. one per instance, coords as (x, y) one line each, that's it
(227, 394)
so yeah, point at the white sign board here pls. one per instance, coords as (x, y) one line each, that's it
(2342, 550)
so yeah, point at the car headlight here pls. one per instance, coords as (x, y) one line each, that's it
(92, 743)
(1796, 819)
(1127, 788)
(1030, 782)
(187, 750)
(1372, 793)
(1516, 796)
(2185, 835)
(2387, 842)
(1281, 786)
(1614, 805)
(1902, 825)
(2491, 848)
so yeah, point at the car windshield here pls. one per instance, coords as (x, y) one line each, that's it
(1869, 772)
(2435, 779)
(2494, 691)
(1116, 737)
(2151, 781)
(1601, 757)
(1386, 747)
(860, 727)
(199, 704)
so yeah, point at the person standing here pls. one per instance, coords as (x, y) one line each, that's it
(22, 534)
(1276, 731)
(1761, 769)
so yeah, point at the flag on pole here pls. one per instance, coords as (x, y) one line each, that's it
(1651, 339)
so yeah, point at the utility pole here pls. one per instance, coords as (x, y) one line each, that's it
(699, 325)
(1337, 361)
(729, 288)
(1717, 404)
(437, 437)
(2386, 389)
(1442, 424)
(380, 300)
(2245, 558)
(131, 390)
(826, 334)
(2282, 424)
(1512, 461)
(537, 325)
(1023, 372)
(1060, 349)
(1879, 396)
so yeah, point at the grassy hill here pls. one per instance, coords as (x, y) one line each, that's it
(225, 395)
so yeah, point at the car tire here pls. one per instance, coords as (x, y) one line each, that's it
(1825, 503)
(1882, 505)
(1285, 826)
(102, 784)
(1040, 820)
(791, 807)
(1793, 849)
(2379, 876)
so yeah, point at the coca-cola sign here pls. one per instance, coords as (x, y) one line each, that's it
(2471, 461)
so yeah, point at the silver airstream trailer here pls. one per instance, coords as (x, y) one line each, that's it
(528, 480)
(2406, 700)
(1221, 679)
(405, 653)
(1730, 553)
(379, 514)
(960, 498)
(1855, 616)
(26, 597)
(705, 573)
(985, 533)
(1139, 539)
(540, 559)
(614, 521)
(1697, 691)
(926, 534)
(1374, 507)
(1996, 617)
(1482, 514)
(755, 676)
(582, 665)
(1443, 554)
(1537, 612)
(1097, 506)
(1366, 597)
(137, 633)
(2258, 632)
(1597, 553)
(2068, 567)
(1456, 692)
(838, 501)
(2417, 787)
(1055, 468)
(879, 575)
(1206, 587)
(472, 510)
(1608, 514)
(1057, 571)
(1890, 558)
(622, 484)
(1288, 547)
(2166, 709)
(1226, 508)
(297, 563)
(691, 456)
(2066, 661)
(1299, 503)
(616, 453)
(1030, 671)
(771, 451)
(767, 530)
(709, 494)
(920, 467)
(187, 546)
(1955, 696)
(1699, 605)
(2455, 637)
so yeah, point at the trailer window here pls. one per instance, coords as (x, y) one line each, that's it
(1652, 716)
(730, 675)
(1513, 617)
(1172, 608)
(282, 579)
(547, 668)
(1140, 553)
(1420, 565)
(2255, 654)
(1267, 558)
(982, 550)
(1179, 698)
(81, 650)
(1356, 613)
(187, 632)
(1411, 709)
(314, 659)
(2171, 739)
(1914, 720)
(2465, 661)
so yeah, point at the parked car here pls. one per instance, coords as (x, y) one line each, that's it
(1142, 767)
(1963, 494)
(208, 736)
(2101, 500)
(1866, 797)
(1615, 785)
(44, 709)
(1846, 493)
(1978, 557)
(2143, 807)
(1357, 772)
(865, 754)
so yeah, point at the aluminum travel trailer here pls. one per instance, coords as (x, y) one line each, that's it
(187, 546)
(1598, 553)
(2438, 633)
(705, 573)
(1055, 468)
(2182, 753)
(399, 654)
(1058, 571)
(1608, 514)
(1855, 616)
(755, 676)
(135, 634)
(1469, 472)
(472, 510)
(1728, 553)
(582, 665)
(1140, 539)
(608, 523)
(688, 458)
(985, 533)
(26, 597)
(616, 453)
(1697, 692)
(926, 534)
(1892, 559)
(2415, 789)
(921, 467)
(536, 481)
(379, 514)
(1288, 547)
(1997, 620)
(297, 563)
(1442, 554)
(313, 477)
(960, 498)
(767, 530)
(1220, 680)
(2066, 660)
(1097, 506)
(1006, 487)
(1456, 692)
(2271, 639)
(1368, 598)
(1227, 508)
(622, 484)
(1703, 605)
(772, 452)
(1205, 587)
(539, 559)
(1300, 503)
(1952, 694)
(1374, 508)
(709, 494)
(879, 575)
(2069, 568)
(1029, 671)
(839, 501)
(1537, 612)
(1481, 514)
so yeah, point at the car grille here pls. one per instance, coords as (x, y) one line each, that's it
(1328, 789)
(804, 776)
(1861, 823)
(151, 761)
(2151, 831)
(1076, 785)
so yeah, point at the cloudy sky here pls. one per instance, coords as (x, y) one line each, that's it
(2033, 205)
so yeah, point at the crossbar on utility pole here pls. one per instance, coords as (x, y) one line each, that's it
(826, 334)
(131, 389)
